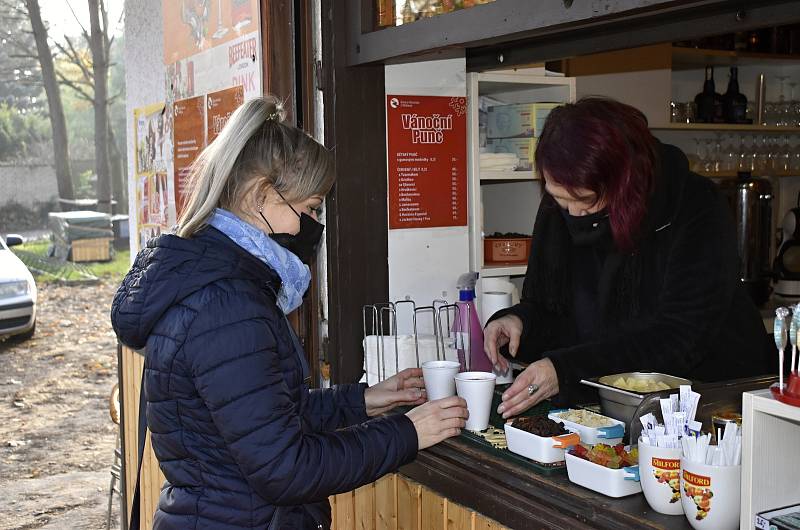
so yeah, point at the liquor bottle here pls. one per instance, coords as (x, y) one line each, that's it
(706, 100)
(734, 102)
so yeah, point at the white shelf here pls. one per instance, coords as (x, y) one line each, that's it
(770, 463)
(507, 87)
(508, 175)
(493, 271)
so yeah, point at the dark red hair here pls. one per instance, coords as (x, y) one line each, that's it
(604, 146)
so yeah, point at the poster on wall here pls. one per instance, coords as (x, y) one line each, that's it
(220, 106)
(427, 157)
(155, 209)
(189, 139)
(193, 26)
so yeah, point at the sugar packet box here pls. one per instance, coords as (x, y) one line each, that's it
(787, 518)
(521, 120)
(524, 148)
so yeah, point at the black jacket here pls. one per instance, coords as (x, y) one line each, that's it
(675, 305)
(241, 439)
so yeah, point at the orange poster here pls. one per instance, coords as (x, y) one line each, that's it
(192, 26)
(427, 151)
(189, 139)
(220, 107)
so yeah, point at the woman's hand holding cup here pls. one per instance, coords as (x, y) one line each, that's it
(438, 420)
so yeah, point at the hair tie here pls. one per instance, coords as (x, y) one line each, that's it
(275, 116)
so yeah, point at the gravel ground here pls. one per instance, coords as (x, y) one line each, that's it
(56, 436)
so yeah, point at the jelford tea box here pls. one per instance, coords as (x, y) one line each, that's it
(524, 148)
(521, 120)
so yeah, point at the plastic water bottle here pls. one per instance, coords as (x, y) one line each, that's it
(467, 328)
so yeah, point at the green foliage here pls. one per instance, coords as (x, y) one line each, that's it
(20, 132)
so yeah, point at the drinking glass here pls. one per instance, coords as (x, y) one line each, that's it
(743, 162)
(782, 108)
(795, 161)
(709, 160)
(718, 154)
(696, 158)
(784, 157)
(761, 156)
(730, 156)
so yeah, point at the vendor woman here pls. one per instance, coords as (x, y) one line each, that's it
(633, 268)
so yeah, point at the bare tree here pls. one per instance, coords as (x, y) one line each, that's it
(92, 85)
(58, 123)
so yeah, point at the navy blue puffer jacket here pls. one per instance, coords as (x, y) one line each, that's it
(242, 441)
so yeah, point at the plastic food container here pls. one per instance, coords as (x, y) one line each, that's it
(611, 482)
(506, 250)
(547, 450)
(621, 404)
(611, 435)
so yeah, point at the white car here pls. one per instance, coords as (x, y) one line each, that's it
(17, 292)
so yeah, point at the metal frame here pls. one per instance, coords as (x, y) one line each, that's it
(553, 29)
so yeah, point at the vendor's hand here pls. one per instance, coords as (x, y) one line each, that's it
(498, 333)
(438, 420)
(404, 388)
(516, 399)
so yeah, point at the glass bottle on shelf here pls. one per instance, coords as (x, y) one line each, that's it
(734, 103)
(706, 100)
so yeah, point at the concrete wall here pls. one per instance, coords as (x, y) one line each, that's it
(144, 74)
(27, 184)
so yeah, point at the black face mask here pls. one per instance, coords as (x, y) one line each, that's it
(302, 244)
(588, 229)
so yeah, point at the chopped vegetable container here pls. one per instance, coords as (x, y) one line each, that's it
(610, 434)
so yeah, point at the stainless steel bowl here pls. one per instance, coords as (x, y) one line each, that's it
(622, 404)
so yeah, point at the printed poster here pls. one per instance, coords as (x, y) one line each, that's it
(220, 106)
(236, 63)
(188, 142)
(427, 157)
(193, 26)
(155, 208)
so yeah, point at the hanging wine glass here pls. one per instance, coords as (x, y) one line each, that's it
(743, 162)
(731, 156)
(708, 161)
(781, 110)
(785, 157)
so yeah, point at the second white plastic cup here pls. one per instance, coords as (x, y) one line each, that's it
(440, 379)
(477, 388)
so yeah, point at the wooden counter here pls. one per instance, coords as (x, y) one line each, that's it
(519, 498)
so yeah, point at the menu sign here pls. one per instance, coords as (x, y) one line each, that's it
(427, 150)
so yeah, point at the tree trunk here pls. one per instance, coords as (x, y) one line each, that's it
(58, 123)
(100, 71)
(118, 182)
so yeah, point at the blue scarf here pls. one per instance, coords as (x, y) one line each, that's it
(295, 275)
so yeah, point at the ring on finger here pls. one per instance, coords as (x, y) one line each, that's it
(532, 388)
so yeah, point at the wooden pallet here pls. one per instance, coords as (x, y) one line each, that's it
(95, 249)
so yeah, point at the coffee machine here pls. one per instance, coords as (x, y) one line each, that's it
(787, 260)
(750, 199)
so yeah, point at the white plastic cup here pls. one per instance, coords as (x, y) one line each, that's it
(477, 388)
(660, 474)
(711, 495)
(439, 378)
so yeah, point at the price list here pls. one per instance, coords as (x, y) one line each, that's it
(427, 150)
